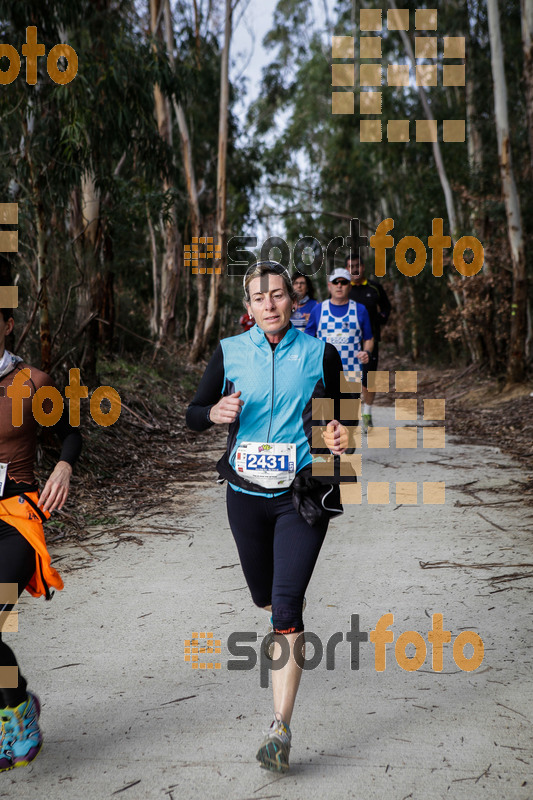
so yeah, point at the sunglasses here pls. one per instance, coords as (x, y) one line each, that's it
(340, 281)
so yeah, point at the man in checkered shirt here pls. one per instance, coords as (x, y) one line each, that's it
(344, 323)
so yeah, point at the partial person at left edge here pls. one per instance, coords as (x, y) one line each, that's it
(24, 559)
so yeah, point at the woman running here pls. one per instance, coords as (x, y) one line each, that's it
(24, 559)
(262, 383)
(305, 295)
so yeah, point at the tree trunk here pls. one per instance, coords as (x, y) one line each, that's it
(42, 278)
(444, 182)
(86, 231)
(154, 316)
(192, 196)
(475, 144)
(169, 282)
(529, 337)
(516, 360)
(41, 272)
(527, 41)
(170, 270)
(197, 345)
(437, 155)
(216, 279)
(188, 166)
(187, 324)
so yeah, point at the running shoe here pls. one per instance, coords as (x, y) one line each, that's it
(21, 735)
(276, 746)
(6, 743)
(366, 423)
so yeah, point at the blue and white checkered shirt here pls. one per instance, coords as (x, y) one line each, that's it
(344, 333)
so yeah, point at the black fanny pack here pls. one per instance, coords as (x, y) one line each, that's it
(226, 472)
(315, 499)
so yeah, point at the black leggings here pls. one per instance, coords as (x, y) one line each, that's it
(278, 551)
(17, 565)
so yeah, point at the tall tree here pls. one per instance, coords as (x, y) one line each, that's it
(221, 213)
(160, 26)
(527, 42)
(516, 362)
(453, 281)
(193, 205)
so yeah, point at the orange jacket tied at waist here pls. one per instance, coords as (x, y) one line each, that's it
(22, 513)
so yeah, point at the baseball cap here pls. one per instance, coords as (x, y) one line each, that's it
(340, 273)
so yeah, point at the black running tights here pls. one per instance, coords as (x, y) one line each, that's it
(278, 551)
(17, 565)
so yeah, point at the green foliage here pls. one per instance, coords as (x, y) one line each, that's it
(102, 124)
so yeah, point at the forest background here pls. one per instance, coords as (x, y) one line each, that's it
(115, 172)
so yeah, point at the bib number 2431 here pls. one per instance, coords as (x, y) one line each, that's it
(270, 464)
(255, 461)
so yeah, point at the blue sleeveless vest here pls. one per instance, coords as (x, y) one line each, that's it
(277, 388)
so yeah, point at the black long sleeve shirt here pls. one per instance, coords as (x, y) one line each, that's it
(373, 296)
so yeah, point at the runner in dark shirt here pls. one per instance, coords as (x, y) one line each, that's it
(372, 295)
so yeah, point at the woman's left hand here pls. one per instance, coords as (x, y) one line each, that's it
(336, 437)
(56, 488)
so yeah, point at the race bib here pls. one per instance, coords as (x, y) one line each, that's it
(271, 465)
(3, 476)
(299, 320)
(338, 339)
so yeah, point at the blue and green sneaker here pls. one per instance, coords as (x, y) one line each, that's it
(21, 736)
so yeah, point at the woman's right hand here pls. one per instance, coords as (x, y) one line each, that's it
(227, 409)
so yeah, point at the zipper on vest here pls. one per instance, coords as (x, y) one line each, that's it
(272, 404)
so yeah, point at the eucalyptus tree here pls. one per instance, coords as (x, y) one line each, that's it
(69, 148)
(526, 7)
(217, 172)
(516, 366)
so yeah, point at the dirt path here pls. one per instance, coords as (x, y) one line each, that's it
(124, 715)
